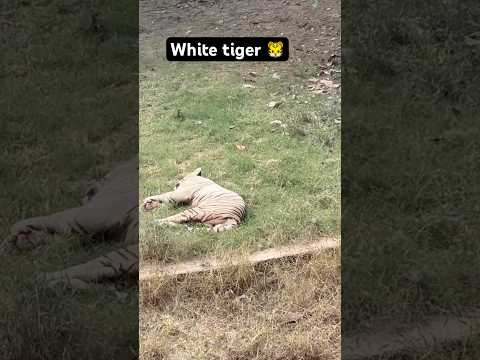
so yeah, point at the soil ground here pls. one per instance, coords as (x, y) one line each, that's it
(312, 27)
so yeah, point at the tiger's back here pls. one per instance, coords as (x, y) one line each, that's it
(219, 203)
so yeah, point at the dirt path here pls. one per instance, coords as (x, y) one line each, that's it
(312, 26)
(150, 271)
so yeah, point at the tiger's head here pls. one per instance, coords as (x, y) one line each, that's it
(275, 49)
(196, 172)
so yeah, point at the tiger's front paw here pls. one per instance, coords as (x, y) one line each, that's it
(27, 234)
(150, 203)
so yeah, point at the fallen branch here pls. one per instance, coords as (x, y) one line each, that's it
(413, 338)
(149, 271)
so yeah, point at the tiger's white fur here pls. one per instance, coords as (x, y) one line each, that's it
(219, 208)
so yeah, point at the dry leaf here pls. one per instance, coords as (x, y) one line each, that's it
(240, 147)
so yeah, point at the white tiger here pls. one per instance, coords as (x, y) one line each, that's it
(213, 205)
(110, 210)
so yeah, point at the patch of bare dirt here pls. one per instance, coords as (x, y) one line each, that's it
(312, 27)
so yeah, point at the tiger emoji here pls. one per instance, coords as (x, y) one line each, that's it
(275, 49)
(109, 211)
(220, 209)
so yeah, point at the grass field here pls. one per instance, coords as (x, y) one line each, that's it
(67, 116)
(284, 161)
(410, 163)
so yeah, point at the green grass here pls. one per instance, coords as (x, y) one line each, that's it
(194, 116)
(68, 112)
(410, 247)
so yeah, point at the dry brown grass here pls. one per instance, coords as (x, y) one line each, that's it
(287, 310)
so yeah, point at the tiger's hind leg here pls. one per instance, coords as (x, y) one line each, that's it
(227, 225)
(190, 215)
(112, 265)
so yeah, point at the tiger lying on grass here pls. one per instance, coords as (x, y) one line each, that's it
(110, 211)
(213, 205)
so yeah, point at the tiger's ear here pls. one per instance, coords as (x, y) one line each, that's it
(197, 172)
(280, 45)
